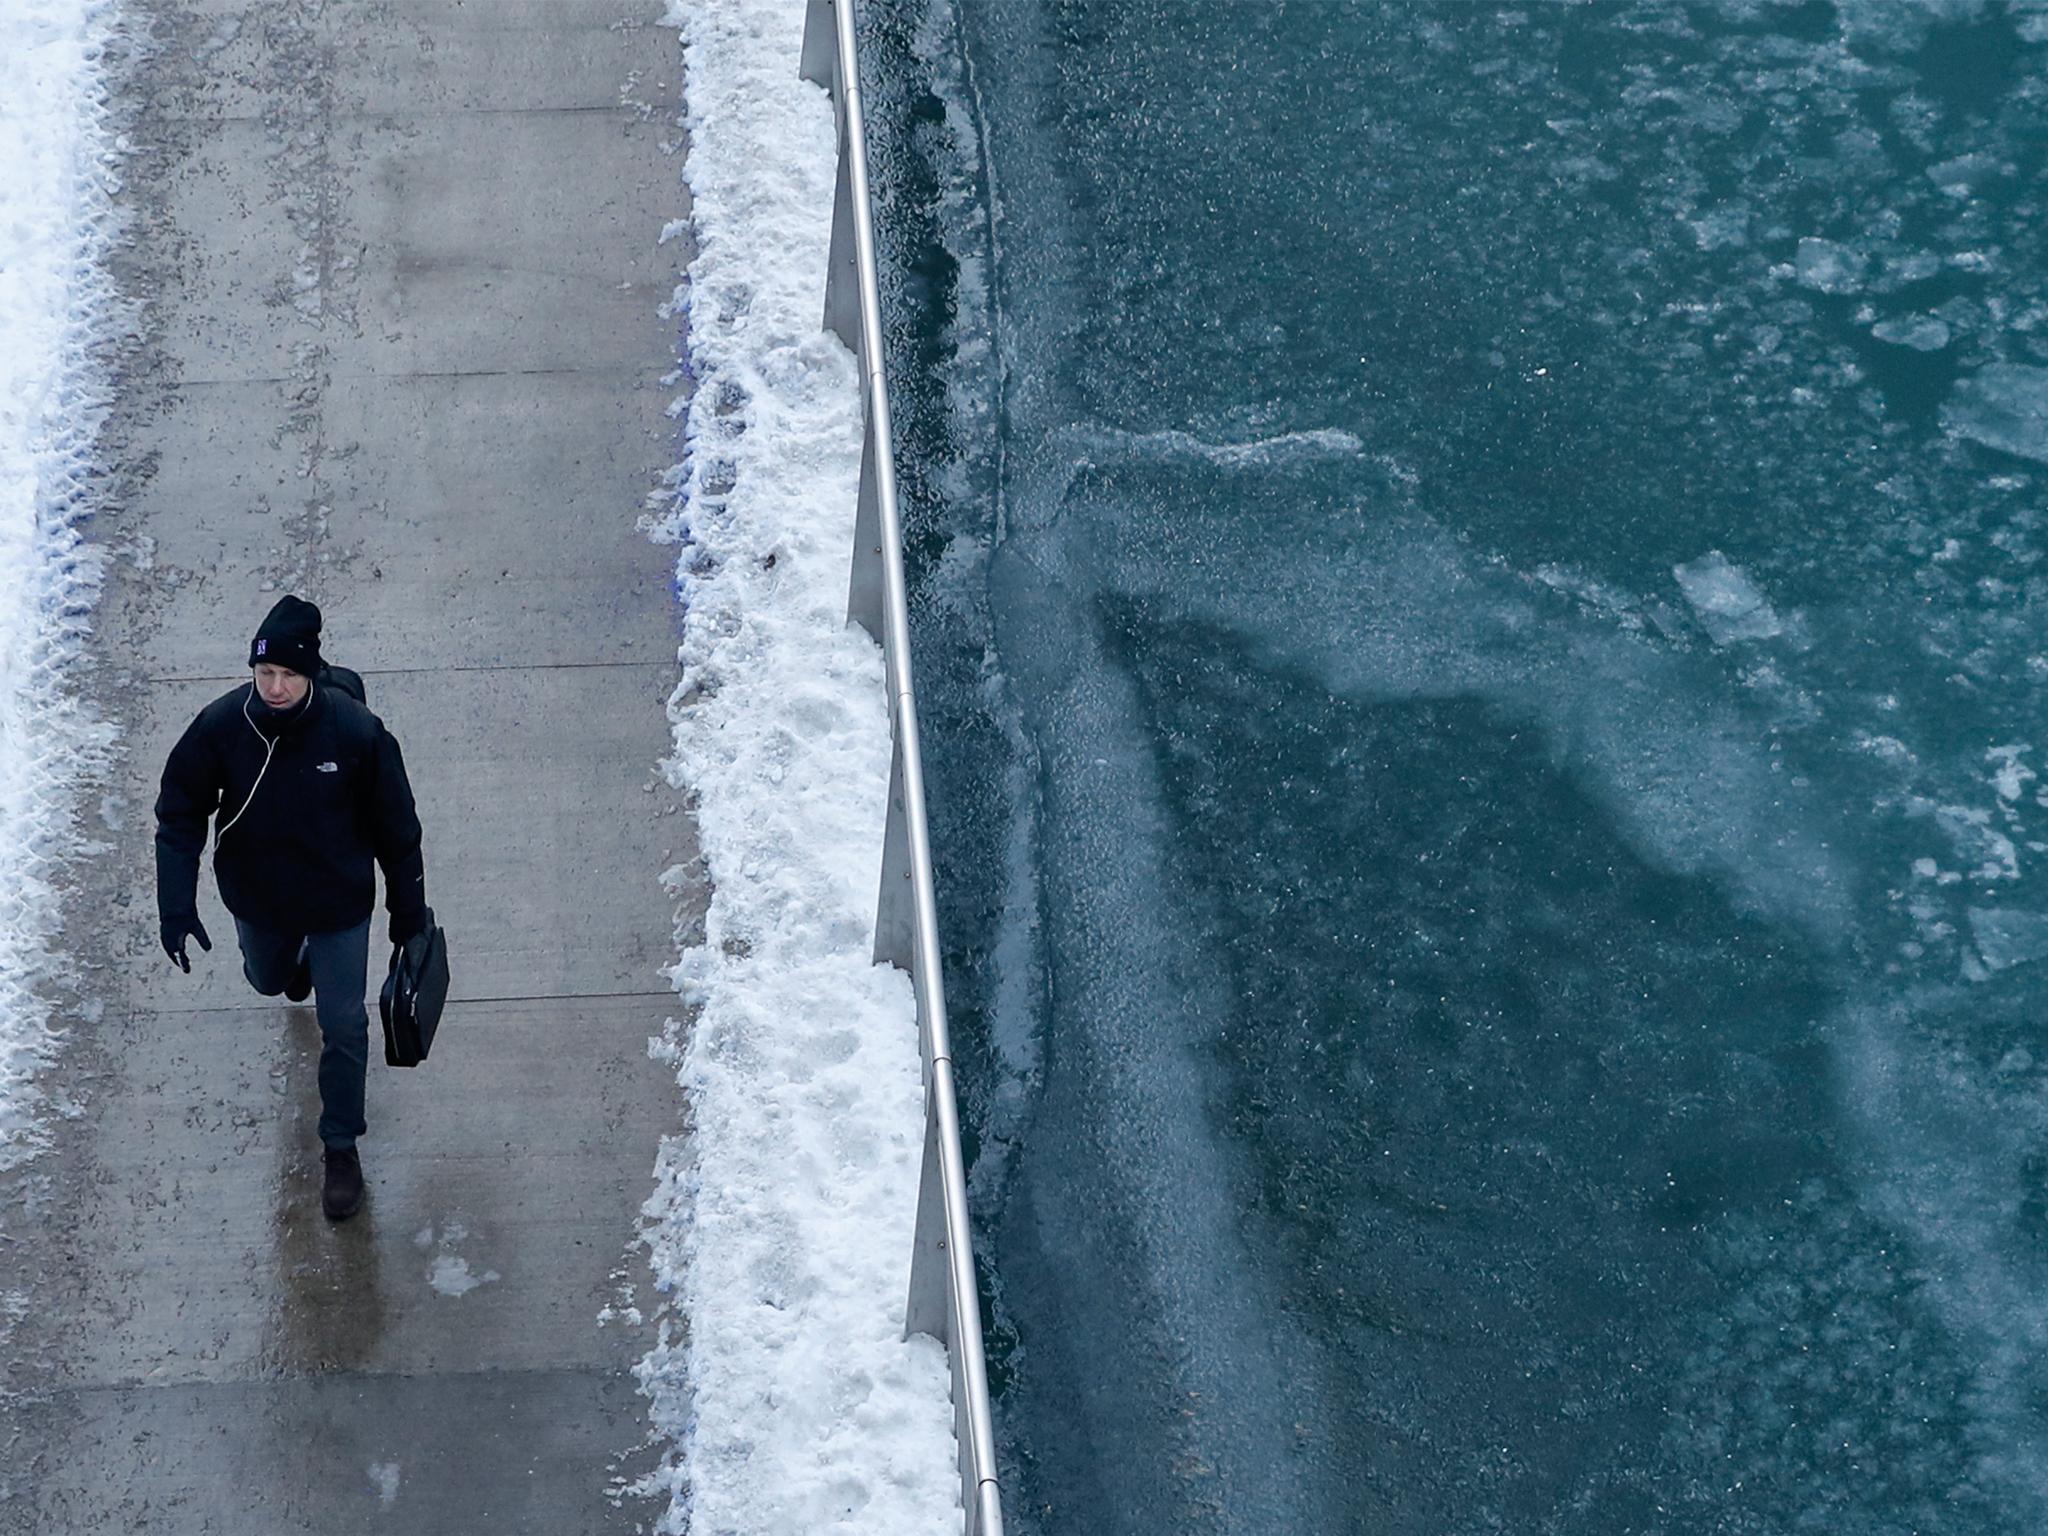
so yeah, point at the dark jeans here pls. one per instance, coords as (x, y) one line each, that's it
(341, 964)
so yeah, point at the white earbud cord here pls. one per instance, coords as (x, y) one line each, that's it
(269, 747)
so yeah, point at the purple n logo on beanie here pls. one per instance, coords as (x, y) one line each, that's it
(289, 637)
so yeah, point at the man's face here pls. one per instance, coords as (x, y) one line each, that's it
(279, 687)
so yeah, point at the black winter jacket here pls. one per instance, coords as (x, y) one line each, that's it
(297, 857)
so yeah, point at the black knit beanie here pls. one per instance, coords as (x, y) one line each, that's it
(289, 637)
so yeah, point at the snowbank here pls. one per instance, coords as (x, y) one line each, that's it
(56, 222)
(781, 1222)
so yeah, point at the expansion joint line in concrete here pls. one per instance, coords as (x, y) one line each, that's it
(269, 1382)
(523, 666)
(400, 375)
(630, 113)
(453, 1003)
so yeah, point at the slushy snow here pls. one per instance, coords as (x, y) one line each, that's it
(781, 1223)
(56, 223)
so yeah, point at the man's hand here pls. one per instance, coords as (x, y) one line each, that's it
(175, 930)
(413, 920)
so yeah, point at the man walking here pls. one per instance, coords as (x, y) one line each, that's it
(307, 787)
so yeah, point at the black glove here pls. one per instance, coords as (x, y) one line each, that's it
(409, 923)
(174, 931)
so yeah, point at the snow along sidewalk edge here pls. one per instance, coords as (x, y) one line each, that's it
(58, 310)
(781, 1222)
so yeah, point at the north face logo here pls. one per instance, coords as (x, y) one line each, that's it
(327, 767)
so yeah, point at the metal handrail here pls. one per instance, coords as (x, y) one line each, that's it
(944, 1300)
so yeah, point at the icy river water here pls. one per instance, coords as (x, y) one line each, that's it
(1482, 630)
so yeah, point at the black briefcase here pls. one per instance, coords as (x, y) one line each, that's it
(414, 994)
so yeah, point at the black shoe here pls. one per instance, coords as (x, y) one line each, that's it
(300, 987)
(342, 1195)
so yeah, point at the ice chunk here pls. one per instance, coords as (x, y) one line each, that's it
(1888, 748)
(1828, 267)
(1727, 602)
(1911, 267)
(2007, 936)
(1969, 829)
(1721, 228)
(1959, 175)
(2002, 406)
(2011, 778)
(1923, 333)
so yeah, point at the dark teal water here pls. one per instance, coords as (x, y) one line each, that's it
(1481, 630)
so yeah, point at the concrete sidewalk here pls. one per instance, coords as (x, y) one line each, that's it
(405, 358)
